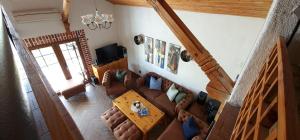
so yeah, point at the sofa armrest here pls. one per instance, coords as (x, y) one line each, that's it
(106, 81)
(140, 81)
(128, 80)
(184, 103)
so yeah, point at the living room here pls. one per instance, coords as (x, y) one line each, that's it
(232, 39)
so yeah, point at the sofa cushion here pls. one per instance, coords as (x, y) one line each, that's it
(155, 83)
(199, 111)
(172, 92)
(172, 132)
(190, 128)
(165, 105)
(116, 89)
(149, 94)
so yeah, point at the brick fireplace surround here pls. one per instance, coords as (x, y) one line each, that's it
(48, 40)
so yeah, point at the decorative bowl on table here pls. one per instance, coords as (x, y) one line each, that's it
(139, 108)
(136, 106)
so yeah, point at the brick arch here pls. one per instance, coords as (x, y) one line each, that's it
(48, 40)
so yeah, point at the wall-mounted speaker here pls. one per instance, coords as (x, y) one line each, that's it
(185, 56)
(139, 39)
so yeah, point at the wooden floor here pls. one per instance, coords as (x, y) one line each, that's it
(86, 109)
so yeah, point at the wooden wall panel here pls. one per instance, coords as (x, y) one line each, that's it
(251, 8)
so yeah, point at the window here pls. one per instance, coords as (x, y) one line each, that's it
(49, 65)
(73, 59)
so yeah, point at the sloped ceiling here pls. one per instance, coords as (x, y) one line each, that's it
(19, 6)
(251, 8)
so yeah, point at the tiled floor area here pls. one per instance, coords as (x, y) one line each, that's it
(86, 109)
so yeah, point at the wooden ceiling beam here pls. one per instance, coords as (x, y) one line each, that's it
(253, 8)
(65, 14)
(220, 84)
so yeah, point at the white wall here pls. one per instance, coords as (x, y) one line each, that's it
(97, 38)
(51, 23)
(229, 39)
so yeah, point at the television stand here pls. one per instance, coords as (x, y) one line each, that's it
(99, 70)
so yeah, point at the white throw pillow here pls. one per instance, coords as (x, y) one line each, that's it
(172, 92)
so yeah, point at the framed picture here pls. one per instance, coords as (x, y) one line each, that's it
(173, 58)
(159, 53)
(148, 49)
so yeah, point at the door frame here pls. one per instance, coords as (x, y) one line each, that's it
(60, 57)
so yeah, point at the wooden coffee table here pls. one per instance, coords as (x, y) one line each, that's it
(145, 123)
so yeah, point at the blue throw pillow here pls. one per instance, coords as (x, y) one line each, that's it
(155, 84)
(147, 81)
(190, 128)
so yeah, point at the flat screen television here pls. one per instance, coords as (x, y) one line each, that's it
(109, 53)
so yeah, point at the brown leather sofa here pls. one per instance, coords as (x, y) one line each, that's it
(223, 128)
(115, 88)
(127, 130)
(175, 132)
(200, 111)
(160, 98)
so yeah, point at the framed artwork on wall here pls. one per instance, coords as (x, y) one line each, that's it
(173, 58)
(159, 53)
(149, 49)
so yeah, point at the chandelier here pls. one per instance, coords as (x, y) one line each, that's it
(100, 20)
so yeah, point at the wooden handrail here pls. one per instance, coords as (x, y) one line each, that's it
(59, 122)
(287, 109)
(269, 108)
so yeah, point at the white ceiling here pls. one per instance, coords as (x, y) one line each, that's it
(34, 5)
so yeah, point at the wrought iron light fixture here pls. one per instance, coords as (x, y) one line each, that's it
(100, 20)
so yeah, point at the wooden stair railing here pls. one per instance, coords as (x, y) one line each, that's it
(269, 109)
(59, 122)
(220, 84)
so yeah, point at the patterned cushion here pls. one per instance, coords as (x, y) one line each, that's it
(172, 92)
